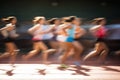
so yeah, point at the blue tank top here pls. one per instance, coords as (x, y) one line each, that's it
(71, 33)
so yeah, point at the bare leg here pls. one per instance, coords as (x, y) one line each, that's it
(69, 47)
(45, 54)
(6, 54)
(98, 49)
(54, 44)
(117, 52)
(36, 50)
(11, 48)
(104, 53)
(46, 51)
(13, 56)
(78, 50)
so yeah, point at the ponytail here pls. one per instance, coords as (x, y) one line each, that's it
(8, 19)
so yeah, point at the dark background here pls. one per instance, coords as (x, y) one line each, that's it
(25, 10)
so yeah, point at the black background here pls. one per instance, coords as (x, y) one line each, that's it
(25, 10)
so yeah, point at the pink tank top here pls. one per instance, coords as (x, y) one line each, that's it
(101, 32)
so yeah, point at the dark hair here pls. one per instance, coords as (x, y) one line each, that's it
(97, 21)
(72, 18)
(8, 19)
(65, 19)
(69, 19)
(52, 21)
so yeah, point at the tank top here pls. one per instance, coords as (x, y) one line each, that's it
(12, 33)
(69, 37)
(46, 36)
(38, 36)
(101, 32)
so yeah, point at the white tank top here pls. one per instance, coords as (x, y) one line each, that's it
(42, 36)
(12, 33)
(36, 34)
(49, 35)
(70, 33)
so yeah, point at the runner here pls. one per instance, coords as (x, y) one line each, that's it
(38, 33)
(101, 48)
(9, 34)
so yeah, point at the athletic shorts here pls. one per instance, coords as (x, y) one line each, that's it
(65, 38)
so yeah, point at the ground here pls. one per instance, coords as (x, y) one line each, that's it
(35, 70)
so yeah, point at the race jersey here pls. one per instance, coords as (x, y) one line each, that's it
(101, 32)
(36, 33)
(69, 37)
(42, 28)
(12, 33)
(46, 36)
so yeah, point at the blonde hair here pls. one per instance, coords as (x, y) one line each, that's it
(37, 19)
